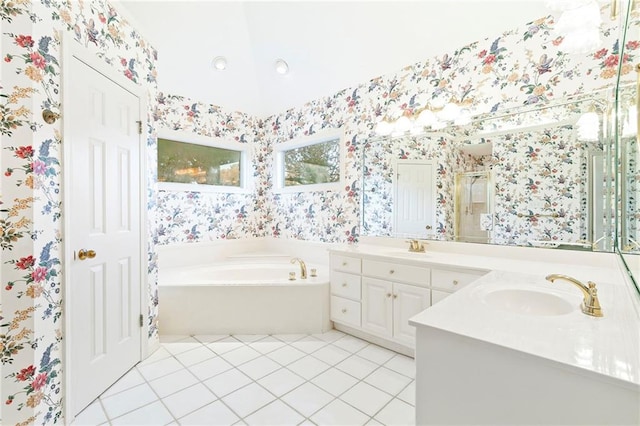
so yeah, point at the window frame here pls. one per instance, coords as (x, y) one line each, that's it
(326, 135)
(213, 142)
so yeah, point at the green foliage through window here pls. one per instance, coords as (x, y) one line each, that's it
(312, 164)
(183, 162)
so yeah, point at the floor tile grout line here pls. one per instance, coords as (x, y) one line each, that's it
(280, 367)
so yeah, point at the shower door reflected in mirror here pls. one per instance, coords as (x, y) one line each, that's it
(474, 207)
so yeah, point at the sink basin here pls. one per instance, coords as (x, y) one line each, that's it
(528, 302)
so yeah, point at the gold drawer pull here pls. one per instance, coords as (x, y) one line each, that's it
(395, 296)
(388, 294)
(344, 284)
(392, 271)
(344, 263)
(455, 282)
(344, 310)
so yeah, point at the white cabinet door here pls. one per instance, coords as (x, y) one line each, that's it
(408, 300)
(377, 306)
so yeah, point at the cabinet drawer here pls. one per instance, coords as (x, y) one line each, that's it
(396, 272)
(346, 263)
(345, 311)
(345, 285)
(452, 280)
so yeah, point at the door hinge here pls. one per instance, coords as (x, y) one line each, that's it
(141, 320)
(139, 127)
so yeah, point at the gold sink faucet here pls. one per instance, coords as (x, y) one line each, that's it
(416, 246)
(590, 304)
(303, 267)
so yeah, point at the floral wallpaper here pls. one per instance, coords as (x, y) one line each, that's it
(526, 65)
(523, 66)
(31, 203)
(197, 216)
(540, 191)
(379, 156)
(632, 199)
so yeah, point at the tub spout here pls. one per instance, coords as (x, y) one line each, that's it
(303, 267)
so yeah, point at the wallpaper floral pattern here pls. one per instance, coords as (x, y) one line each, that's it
(523, 66)
(526, 65)
(379, 157)
(31, 211)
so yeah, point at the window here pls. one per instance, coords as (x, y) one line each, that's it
(193, 163)
(309, 164)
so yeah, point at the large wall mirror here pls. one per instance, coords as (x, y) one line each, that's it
(538, 176)
(628, 176)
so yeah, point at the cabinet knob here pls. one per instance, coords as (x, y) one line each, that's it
(392, 271)
(388, 294)
(344, 310)
(344, 263)
(455, 282)
(395, 296)
(344, 284)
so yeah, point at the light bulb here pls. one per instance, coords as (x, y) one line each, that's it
(403, 124)
(426, 118)
(588, 126)
(281, 66)
(438, 125)
(219, 63)
(585, 16)
(384, 128)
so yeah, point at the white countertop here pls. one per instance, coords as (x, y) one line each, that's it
(608, 346)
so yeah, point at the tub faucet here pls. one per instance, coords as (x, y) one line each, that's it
(303, 267)
(590, 303)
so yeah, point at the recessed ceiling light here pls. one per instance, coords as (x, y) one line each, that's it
(219, 63)
(281, 66)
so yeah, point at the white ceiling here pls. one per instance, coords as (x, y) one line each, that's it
(329, 45)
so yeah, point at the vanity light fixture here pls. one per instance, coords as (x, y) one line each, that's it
(219, 63)
(588, 126)
(578, 23)
(281, 66)
(437, 113)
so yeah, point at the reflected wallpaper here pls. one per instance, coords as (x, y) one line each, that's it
(525, 65)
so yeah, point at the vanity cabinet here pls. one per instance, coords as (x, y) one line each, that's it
(387, 307)
(387, 304)
(346, 290)
(444, 282)
(378, 296)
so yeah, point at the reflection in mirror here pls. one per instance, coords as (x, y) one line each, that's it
(530, 177)
(629, 172)
(629, 180)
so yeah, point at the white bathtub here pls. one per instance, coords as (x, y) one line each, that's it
(245, 296)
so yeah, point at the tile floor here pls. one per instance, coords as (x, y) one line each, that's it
(324, 379)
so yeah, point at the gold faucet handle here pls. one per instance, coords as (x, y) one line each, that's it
(592, 304)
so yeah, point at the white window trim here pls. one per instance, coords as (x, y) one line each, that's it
(245, 149)
(325, 135)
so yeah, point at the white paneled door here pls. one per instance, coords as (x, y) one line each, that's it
(415, 198)
(103, 293)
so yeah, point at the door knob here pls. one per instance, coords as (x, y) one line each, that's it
(86, 254)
